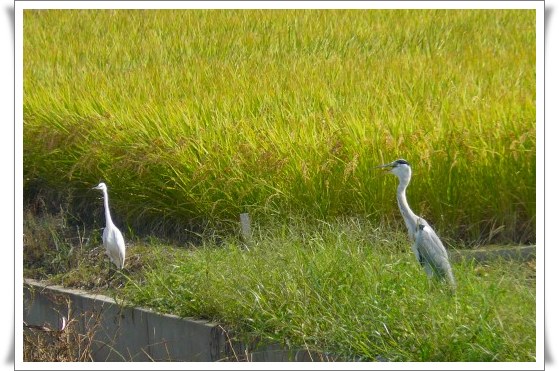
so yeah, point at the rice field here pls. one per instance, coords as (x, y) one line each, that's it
(192, 117)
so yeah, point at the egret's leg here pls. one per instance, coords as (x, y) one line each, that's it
(111, 274)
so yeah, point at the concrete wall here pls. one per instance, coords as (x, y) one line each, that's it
(124, 333)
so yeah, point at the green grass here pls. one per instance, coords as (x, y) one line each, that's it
(345, 288)
(192, 117)
(340, 290)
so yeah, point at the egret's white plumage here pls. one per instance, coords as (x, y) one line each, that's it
(112, 238)
(427, 246)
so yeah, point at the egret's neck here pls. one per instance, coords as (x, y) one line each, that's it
(108, 219)
(409, 217)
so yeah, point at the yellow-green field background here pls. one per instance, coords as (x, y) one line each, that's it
(193, 116)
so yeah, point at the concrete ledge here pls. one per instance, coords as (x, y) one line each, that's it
(124, 333)
(519, 253)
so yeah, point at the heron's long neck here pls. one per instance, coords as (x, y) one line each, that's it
(409, 217)
(108, 219)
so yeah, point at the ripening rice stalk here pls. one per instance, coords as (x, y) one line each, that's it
(206, 114)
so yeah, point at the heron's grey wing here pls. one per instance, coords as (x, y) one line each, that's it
(432, 250)
(420, 258)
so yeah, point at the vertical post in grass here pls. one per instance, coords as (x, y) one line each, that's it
(245, 228)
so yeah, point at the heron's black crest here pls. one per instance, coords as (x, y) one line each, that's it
(402, 162)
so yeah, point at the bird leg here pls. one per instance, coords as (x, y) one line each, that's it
(111, 273)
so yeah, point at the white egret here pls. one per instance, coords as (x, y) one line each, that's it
(112, 238)
(427, 247)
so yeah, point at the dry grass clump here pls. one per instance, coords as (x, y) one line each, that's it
(66, 343)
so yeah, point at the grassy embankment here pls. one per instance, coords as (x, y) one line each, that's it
(194, 117)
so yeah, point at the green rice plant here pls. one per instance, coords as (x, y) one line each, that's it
(194, 116)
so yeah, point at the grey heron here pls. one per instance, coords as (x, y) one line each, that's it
(427, 246)
(112, 238)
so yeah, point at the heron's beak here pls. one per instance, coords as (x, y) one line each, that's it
(385, 166)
